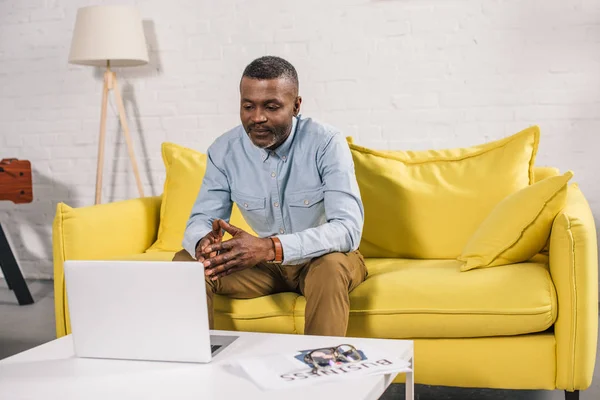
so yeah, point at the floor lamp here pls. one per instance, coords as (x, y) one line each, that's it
(110, 36)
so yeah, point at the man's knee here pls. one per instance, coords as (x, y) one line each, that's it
(328, 269)
(183, 255)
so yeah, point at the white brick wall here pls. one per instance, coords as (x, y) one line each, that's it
(411, 74)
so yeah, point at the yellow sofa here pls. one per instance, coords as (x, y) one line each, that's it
(528, 325)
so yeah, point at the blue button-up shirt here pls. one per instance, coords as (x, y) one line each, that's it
(304, 192)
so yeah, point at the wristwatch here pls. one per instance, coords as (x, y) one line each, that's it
(278, 250)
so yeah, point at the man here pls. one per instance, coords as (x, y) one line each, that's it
(293, 180)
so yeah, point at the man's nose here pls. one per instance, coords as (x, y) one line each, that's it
(258, 117)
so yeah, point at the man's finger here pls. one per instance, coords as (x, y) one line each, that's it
(204, 248)
(216, 227)
(202, 244)
(209, 241)
(221, 268)
(232, 230)
(221, 259)
(223, 246)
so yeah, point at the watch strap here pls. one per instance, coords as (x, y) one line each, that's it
(278, 250)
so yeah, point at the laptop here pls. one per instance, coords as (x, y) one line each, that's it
(140, 310)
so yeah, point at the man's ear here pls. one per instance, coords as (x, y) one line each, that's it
(297, 105)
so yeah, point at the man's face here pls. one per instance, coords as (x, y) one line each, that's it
(267, 108)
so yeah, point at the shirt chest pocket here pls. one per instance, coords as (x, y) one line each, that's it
(306, 199)
(307, 208)
(253, 208)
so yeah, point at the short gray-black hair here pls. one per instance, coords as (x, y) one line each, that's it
(271, 67)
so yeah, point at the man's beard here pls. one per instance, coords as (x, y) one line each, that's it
(275, 135)
(271, 143)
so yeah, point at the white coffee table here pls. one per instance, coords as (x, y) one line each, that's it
(51, 371)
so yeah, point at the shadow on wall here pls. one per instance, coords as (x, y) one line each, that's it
(117, 154)
(29, 226)
(143, 158)
(154, 66)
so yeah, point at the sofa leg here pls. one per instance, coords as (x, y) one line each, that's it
(572, 395)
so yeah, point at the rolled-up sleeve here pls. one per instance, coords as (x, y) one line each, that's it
(343, 208)
(213, 201)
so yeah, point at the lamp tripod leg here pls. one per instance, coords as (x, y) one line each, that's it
(123, 120)
(101, 141)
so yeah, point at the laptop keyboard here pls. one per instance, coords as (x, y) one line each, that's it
(214, 347)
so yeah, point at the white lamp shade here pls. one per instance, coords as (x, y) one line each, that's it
(108, 33)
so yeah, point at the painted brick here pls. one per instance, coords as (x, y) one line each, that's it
(394, 75)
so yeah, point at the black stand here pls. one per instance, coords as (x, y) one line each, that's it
(12, 273)
(572, 395)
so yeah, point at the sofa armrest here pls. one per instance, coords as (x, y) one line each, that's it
(96, 232)
(574, 270)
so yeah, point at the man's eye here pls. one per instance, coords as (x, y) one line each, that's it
(272, 108)
(247, 107)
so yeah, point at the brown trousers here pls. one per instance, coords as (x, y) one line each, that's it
(325, 281)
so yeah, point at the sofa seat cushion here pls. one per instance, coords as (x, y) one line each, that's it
(404, 298)
(274, 313)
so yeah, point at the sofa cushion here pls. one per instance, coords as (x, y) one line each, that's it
(541, 173)
(404, 298)
(274, 313)
(416, 298)
(427, 204)
(184, 174)
(518, 227)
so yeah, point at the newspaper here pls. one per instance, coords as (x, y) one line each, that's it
(281, 371)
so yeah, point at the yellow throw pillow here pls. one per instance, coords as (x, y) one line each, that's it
(518, 227)
(541, 173)
(427, 204)
(185, 170)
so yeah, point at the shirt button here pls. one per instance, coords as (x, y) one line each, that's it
(246, 205)
(284, 157)
(306, 202)
(281, 230)
(273, 174)
(276, 204)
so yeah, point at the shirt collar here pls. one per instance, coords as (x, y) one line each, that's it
(283, 150)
